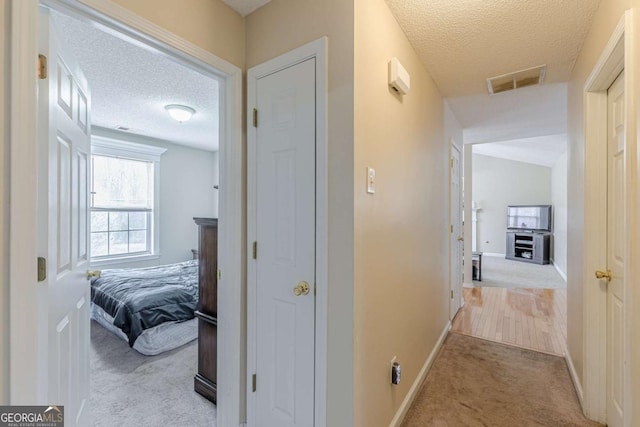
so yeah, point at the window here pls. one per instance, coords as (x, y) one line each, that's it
(124, 200)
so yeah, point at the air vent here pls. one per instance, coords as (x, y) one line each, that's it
(519, 79)
(128, 129)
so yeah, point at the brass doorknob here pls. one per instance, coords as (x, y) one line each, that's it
(91, 274)
(603, 275)
(301, 289)
(460, 239)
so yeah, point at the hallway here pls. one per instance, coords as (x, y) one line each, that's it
(535, 319)
(475, 382)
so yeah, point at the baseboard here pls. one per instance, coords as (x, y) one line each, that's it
(575, 378)
(560, 272)
(494, 254)
(417, 384)
(468, 285)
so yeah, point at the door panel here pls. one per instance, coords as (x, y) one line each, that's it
(64, 114)
(615, 254)
(285, 230)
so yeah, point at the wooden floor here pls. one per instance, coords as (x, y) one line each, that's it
(529, 318)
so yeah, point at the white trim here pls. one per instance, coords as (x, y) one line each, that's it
(116, 260)
(453, 287)
(560, 272)
(24, 348)
(417, 384)
(318, 50)
(23, 221)
(468, 285)
(494, 254)
(574, 377)
(126, 149)
(616, 56)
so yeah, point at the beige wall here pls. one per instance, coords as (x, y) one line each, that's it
(4, 214)
(401, 239)
(210, 24)
(272, 30)
(605, 21)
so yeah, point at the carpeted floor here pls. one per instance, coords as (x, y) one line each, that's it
(505, 273)
(474, 382)
(129, 389)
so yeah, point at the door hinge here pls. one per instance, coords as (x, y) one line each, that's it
(254, 382)
(255, 250)
(452, 228)
(451, 163)
(42, 67)
(42, 269)
(255, 117)
(451, 294)
(219, 274)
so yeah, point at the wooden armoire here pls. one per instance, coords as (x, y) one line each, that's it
(207, 309)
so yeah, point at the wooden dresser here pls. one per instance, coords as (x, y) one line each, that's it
(207, 309)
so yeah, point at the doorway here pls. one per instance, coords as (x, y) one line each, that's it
(286, 231)
(29, 374)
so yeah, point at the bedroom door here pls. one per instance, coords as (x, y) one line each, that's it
(455, 235)
(616, 235)
(63, 201)
(284, 251)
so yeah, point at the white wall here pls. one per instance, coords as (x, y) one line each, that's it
(187, 177)
(559, 202)
(498, 183)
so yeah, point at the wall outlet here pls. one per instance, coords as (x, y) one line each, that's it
(396, 371)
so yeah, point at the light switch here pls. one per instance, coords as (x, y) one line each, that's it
(371, 180)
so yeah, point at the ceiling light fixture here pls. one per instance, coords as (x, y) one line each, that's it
(181, 113)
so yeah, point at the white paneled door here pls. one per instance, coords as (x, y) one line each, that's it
(285, 258)
(615, 253)
(64, 156)
(456, 237)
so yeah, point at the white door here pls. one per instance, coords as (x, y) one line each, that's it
(456, 237)
(64, 156)
(285, 234)
(615, 253)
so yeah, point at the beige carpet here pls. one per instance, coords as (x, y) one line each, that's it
(506, 273)
(132, 390)
(474, 382)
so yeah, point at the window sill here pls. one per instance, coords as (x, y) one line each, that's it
(123, 260)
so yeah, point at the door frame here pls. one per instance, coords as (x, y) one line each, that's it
(618, 55)
(318, 50)
(453, 146)
(24, 385)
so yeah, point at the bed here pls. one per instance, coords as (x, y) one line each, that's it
(150, 308)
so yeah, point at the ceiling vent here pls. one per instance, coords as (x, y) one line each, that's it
(529, 77)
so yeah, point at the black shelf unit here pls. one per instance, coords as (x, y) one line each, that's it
(526, 246)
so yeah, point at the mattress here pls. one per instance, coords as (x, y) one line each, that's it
(155, 340)
(141, 298)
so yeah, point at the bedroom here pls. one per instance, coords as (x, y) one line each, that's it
(151, 175)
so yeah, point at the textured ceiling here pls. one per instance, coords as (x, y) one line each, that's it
(541, 150)
(130, 87)
(245, 7)
(463, 42)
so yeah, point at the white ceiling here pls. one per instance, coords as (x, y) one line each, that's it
(540, 150)
(523, 113)
(130, 87)
(464, 42)
(245, 7)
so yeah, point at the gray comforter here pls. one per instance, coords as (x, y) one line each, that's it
(142, 298)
